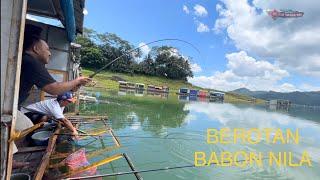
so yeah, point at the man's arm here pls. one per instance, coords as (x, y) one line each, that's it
(57, 88)
(69, 125)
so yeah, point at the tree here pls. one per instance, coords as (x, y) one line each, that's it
(99, 49)
(147, 66)
(91, 54)
(170, 63)
(113, 47)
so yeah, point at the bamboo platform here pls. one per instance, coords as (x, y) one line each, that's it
(46, 161)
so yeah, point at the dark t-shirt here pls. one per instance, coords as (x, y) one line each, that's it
(33, 72)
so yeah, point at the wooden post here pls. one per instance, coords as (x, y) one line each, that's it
(46, 157)
(14, 17)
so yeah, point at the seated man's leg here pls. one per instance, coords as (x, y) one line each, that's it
(22, 123)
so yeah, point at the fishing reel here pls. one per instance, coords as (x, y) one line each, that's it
(91, 84)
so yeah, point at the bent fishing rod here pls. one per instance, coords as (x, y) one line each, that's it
(150, 170)
(130, 51)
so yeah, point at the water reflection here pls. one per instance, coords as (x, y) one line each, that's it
(141, 93)
(181, 118)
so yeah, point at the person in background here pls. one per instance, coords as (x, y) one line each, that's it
(51, 108)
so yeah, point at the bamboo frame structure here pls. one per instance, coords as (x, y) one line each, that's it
(96, 164)
(46, 158)
(104, 149)
(92, 154)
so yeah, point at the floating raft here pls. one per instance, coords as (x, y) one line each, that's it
(47, 160)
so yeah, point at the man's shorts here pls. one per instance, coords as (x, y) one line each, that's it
(34, 117)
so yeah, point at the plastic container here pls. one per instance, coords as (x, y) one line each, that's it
(20, 176)
(41, 138)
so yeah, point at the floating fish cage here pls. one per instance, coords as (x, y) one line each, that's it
(151, 88)
(216, 96)
(202, 93)
(131, 85)
(159, 89)
(140, 86)
(193, 92)
(122, 84)
(278, 104)
(184, 91)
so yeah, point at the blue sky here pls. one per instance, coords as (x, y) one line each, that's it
(240, 45)
(145, 21)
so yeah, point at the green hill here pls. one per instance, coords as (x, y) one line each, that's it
(301, 98)
(109, 81)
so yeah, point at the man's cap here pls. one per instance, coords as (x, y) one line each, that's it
(66, 96)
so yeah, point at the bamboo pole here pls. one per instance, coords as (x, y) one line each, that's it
(115, 139)
(96, 164)
(46, 158)
(132, 167)
(89, 155)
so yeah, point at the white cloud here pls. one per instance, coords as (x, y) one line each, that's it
(202, 27)
(195, 68)
(173, 52)
(293, 43)
(145, 49)
(243, 65)
(200, 10)
(245, 71)
(185, 9)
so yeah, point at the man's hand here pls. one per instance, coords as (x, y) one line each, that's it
(75, 89)
(75, 135)
(81, 81)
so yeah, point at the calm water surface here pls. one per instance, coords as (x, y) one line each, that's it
(157, 132)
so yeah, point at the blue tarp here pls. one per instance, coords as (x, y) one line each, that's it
(69, 17)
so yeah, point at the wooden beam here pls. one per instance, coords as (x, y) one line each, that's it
(46, 158)
(32, 149)
(17, 13)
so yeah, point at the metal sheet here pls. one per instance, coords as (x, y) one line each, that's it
(57, 38)
(6, 12)
(59, 60)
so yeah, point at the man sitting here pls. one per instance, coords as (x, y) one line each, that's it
(43, 110)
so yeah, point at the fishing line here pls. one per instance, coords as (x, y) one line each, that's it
(142, 164)
(150, 170)
(150, 137)
(130, 51)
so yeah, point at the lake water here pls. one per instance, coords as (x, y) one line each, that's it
(160, 131)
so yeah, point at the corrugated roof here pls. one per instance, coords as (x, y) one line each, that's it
(52, 8)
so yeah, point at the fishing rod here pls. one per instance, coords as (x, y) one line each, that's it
(130, 51)
(149, 170)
